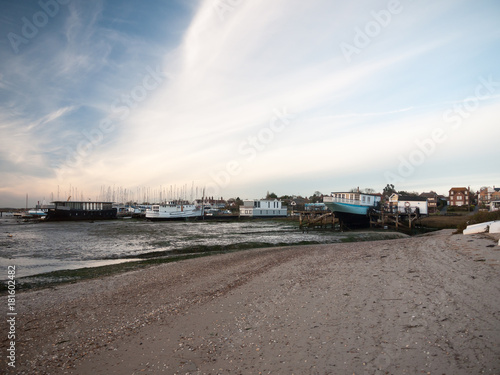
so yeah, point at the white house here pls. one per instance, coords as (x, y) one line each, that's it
(404, 203)
(262, 208)
(494, 206)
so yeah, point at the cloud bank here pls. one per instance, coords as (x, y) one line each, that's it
(242, 97)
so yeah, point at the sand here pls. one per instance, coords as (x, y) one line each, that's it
(423, 305)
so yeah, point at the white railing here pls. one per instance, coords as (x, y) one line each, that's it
(342, 200)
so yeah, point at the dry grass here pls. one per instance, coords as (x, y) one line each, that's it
(458, 222)
(443, 222)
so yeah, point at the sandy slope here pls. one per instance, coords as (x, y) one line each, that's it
(420, 305)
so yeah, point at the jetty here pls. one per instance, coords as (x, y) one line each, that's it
(397, 220)
(317, 219)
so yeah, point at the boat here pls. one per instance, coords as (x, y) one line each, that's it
(495, 227)
(39, 212)
(352, 207)
(81, 210)
(478, 228)
(173, 211)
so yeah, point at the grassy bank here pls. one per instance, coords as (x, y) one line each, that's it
(442, 221)
(458, 222)
(480, 217)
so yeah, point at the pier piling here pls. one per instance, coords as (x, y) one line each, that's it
(317, 219)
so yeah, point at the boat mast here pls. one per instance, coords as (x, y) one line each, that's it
(203, 205)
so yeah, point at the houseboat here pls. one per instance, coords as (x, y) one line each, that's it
(262, 208)
(173, 211)
(352, 207)
(81, 210)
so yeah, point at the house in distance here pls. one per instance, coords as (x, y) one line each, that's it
(262, 208)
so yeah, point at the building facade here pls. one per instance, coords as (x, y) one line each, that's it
(460, 196)
(262, 208)
(432, 201)
(408, 204)
(488, 194)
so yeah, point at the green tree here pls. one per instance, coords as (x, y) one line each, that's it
(316, 197)
(271, 196)
(388, 190)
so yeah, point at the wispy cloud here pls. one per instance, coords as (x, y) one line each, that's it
(50, 117)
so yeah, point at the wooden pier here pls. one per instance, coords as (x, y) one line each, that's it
(396, 220)
(317, 219)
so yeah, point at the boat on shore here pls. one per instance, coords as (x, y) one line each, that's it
(479, 228)
(352, 207)
(173, 211)
(81, 210)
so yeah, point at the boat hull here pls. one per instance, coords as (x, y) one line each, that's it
(172, 217)
(347, 208)
(77, 215)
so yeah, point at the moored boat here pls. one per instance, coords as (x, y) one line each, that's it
(81, 210)
(173, 211)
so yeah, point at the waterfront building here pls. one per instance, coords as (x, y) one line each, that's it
(262, 208)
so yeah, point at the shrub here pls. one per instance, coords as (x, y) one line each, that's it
(480, 217)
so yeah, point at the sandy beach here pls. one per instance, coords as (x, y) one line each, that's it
(423, 305)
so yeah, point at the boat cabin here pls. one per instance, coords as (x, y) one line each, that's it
(83, 205)
(354, 198)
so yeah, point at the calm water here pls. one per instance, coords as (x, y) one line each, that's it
(36, 248)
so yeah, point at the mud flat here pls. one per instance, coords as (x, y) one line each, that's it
(422, 305)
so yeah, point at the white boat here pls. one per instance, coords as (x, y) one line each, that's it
(37, 212)
(495, 227)
(173, 211)
(478, 228)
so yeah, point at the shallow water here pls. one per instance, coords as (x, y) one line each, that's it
(36, 248)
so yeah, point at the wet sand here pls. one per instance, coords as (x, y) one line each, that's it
(421, 305)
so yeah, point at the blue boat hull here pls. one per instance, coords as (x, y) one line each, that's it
(347, 208)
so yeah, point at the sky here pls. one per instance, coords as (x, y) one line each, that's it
(242, 97)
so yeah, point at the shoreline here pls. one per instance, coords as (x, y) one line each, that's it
(138, 261)
(423, 304)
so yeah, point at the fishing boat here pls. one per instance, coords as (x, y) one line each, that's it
(173, 211)
(81, 210)
(352, 206)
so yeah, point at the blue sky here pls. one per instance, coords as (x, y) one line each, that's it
(243, 97)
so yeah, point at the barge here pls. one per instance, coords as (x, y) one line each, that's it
(81, 210)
